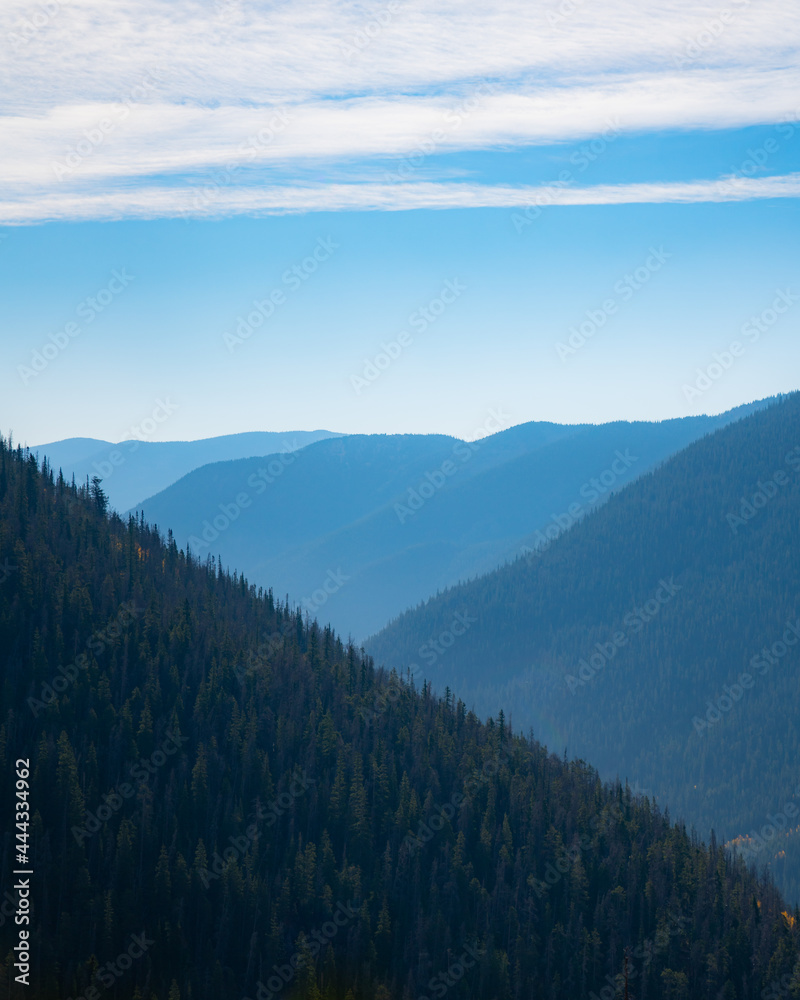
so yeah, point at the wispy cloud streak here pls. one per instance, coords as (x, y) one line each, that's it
(69, 65)
(155, 202)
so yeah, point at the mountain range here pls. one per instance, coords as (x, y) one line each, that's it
(359, 528)
(657, 638)
(134, 469)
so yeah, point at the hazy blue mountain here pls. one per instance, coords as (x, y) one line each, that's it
(361, 527)
(134, 470)
(658, 638)
(71, 451)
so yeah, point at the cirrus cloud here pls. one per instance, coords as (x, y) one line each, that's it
(183, 87)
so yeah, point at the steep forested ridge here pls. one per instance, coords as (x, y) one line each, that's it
(654, 638)
(228, 801)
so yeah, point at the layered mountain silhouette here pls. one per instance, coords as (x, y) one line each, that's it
(135, 469)
(359, 528)
(658, 637)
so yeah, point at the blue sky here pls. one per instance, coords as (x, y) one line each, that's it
(478, 188)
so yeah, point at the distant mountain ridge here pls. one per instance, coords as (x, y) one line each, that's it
(359, 528)
(135, 469)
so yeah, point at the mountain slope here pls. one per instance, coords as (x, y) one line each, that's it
(135, 469)
(626, 640)
(226, 802)
(393, 519)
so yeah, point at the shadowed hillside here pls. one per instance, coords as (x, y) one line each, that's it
(657, 638)
(226, 801)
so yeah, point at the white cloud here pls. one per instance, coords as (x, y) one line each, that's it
(525, 202)
(278, 51)
(182, 85)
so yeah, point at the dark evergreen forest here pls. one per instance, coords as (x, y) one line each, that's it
(227, 800)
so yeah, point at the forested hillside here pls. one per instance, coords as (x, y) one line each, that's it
(238, 804)
(656, 638)
(227, 801)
